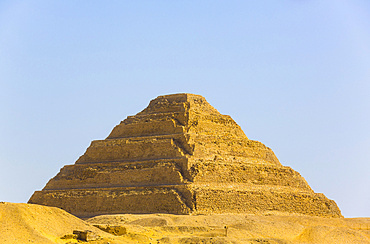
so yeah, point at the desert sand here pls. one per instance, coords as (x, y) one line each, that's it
(31, 223)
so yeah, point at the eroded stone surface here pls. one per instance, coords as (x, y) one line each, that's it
(180, 155)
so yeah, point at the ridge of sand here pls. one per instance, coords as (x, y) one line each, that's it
(30, 223)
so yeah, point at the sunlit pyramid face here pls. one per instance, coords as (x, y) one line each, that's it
(180, 155)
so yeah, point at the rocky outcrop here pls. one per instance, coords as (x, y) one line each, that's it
(180, 155)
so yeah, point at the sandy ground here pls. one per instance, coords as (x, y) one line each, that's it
(30, 223)
(239, 228)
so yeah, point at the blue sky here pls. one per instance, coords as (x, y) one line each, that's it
(294, 75)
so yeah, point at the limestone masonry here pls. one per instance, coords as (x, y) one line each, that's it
(180, 155)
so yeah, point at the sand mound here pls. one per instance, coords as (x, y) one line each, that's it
(240, 228)
(31, 223)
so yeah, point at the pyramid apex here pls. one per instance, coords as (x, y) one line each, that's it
(181, 97)
(179, 102)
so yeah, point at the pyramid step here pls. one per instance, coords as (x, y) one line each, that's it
(222, 200)
(207, 147)
(184, 199)
(250, 172)
(132, 149)
(251, 187)
(179, 117)
(175, 146)
(141, 173)
(175, 171)
(167, 123)
(91, 202)
(143, 128)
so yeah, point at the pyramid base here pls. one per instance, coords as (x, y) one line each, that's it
(184, 199)
(213, 200)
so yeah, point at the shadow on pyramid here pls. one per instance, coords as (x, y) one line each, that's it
(181, 156)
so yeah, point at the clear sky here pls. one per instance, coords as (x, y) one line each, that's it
(294, 74)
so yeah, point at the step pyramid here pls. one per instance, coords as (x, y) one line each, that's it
(181, 156)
